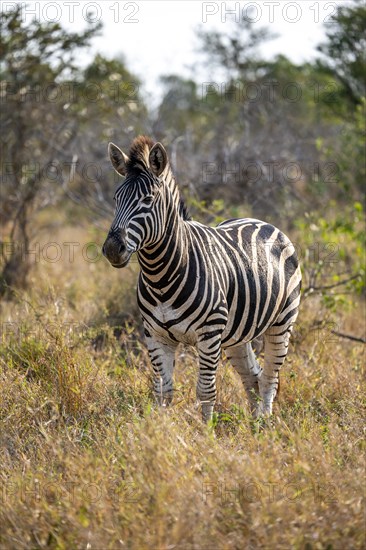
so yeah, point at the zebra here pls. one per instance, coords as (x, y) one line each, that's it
(215, 288)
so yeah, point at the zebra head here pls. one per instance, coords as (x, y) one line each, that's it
(140, 200)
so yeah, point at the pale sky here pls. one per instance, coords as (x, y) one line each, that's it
(157, 37)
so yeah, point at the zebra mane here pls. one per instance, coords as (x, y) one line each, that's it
(183, 210)
(139, 161)
(139, 154)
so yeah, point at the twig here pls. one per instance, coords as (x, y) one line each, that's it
(349, 336)
(310, 289)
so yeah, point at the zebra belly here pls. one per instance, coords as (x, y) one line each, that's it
(239, 336)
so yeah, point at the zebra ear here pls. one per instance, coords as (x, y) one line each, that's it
(118, 159)
(158, 159)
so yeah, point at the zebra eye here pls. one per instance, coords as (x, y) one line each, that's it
(147, 200)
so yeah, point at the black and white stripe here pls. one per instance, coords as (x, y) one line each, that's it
(215, 288)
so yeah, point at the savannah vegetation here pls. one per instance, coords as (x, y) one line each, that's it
(87, 459)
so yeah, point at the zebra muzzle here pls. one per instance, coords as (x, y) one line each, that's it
(115, 250)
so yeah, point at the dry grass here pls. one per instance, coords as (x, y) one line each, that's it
(87, 461)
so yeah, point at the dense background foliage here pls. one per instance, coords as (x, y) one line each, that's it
(86, 459)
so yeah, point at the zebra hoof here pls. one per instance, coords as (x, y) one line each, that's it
(164, 400)
(207, 412)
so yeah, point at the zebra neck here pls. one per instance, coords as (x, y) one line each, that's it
(163, 264)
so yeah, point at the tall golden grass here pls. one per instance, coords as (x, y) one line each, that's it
(88, 461)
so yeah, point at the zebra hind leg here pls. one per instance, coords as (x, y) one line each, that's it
(244, 361)
(276, 342)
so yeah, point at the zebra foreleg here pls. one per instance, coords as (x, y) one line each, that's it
(275, 351)
(162, 357)
(245, 363)
(209, 355)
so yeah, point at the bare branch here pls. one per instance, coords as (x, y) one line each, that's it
(349, 336)
(311, 289)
